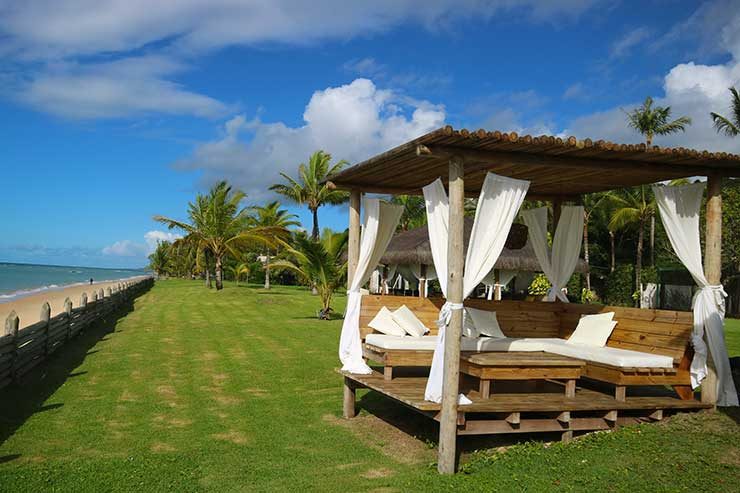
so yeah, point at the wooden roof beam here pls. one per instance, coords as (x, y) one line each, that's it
(443, 152)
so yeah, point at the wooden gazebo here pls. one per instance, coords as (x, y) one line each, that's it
(559, 171)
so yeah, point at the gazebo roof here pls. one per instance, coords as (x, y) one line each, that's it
(556, 167)
(412, 247)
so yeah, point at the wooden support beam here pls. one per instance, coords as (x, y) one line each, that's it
(450, 388)
(712, 268)
(620, 393)
(353, 242)
(348, 407)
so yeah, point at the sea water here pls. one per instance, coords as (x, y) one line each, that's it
(18, 280)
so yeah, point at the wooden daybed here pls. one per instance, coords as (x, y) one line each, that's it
(658, 332)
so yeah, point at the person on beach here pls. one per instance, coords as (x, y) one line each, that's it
(91, 281)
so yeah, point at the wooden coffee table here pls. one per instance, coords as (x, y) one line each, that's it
(521, 366)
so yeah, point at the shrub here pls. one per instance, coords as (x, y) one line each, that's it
(620, 286)
(539, 285)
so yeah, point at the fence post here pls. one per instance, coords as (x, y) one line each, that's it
(45, 316)
(12, 324)
(68, 311)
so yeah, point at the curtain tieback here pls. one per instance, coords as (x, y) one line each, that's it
(717, 291)
(445, 313)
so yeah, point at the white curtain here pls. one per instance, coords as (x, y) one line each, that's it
(378, 225)
(559, 263)
(429, 275)
(679, 210)
(498, 205)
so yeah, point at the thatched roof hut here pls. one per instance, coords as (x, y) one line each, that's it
(412, 247)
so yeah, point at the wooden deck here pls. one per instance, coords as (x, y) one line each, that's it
(515, 407)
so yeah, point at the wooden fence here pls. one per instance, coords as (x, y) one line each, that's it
(23, 349)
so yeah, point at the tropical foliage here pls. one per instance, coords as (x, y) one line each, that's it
(275, 222)
(651, 121)
(310, 188)
(729, 126)
(320, 264)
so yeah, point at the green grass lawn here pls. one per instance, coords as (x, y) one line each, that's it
(196, 390)
(732, 336)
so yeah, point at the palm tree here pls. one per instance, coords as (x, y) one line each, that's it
(414, 211)
(729, 126)
(239, 269)
(159, 259)
(633, 207)
(651, 121)
(310, 188)
(278, 221)
(591, 204)
(319, 263)
(218, 225)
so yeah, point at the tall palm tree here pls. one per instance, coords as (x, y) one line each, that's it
(651, 121)
(310, 187)
(414, 211)
(319, 263)
(218, 225)
(277, 220)
(591, 204)
(729, 126)
(633, 207)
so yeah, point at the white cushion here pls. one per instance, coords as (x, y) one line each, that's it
(623, 358)
(593, 330)
(384, 323)
(427, 343)
(424, 343)
(486, 322)
(468, 328)
(409, 322)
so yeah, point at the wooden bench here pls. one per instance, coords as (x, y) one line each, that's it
(659, 332)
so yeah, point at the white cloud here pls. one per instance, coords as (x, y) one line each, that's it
(352, 122)
(125, 248)
(153, 238)
(125, 87)
(54, 28)
(366, 67)
(623, 46)
(575, 91)
(129, 248)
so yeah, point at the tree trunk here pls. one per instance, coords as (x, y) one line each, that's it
(649, 140)
(638, 262)
(267, 271)
(315, 230)
(219, 274)
(612, 265)
(652, 240)
(585, 252)
(208, 277)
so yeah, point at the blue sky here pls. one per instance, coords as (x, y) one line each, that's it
(114, 111)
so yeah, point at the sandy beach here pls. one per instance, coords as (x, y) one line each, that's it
(28, 308)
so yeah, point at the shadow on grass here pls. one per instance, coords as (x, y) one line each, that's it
(19, 401)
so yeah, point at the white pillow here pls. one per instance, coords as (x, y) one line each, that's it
(485, 322)
(468, 328)
(593, 330)
(409, 322)
(384, 323)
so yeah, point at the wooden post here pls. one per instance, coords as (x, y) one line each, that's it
(353, 245)
(348, 409)
(496, 285)
(422, 281)
(45, 316)
(712, 269)
(557, 208)
(448, 420)
(83, 300)
(68, 311)
(12, 324)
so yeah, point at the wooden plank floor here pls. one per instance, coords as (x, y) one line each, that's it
(409, 390)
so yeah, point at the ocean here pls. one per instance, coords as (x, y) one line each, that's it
(18, 280)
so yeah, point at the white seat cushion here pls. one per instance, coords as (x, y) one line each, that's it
(384, 323)
(623, 358)
(409, 322)
(383, 341)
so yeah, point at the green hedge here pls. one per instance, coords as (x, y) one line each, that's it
(620, 284)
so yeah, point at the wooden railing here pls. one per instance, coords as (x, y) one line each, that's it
(21, 349)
